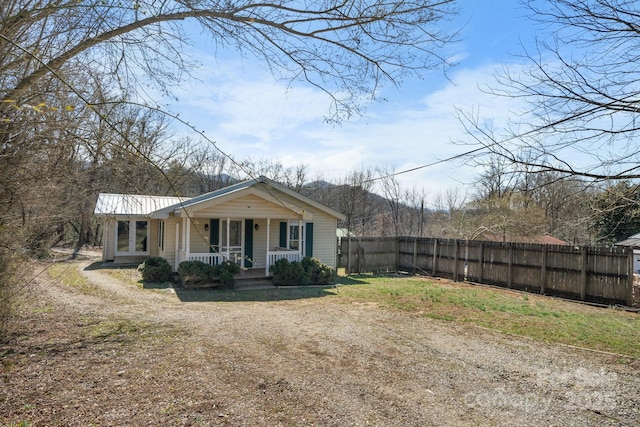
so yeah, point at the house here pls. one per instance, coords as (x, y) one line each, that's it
(634, 243)
(253, 223)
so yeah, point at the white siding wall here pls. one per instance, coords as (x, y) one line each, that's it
(260, 243)
(152, 243)
(108, 239)
(199, 237)
(324, 238)
(248, 206)
(169, 252)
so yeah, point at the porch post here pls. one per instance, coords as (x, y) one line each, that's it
(228, 238)
(300, 248)
(184, 238)
(266, 267)
(177, 247)
(187, 232)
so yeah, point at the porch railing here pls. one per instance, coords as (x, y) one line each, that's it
(209, 258)
(219, 257)
(273, 256)
(279, 253)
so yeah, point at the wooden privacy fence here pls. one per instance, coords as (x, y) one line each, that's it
(578, 272)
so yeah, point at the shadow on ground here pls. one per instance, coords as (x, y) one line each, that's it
(249, 295)
(99, 265)
(241, 295)
(281, 293)
(351, 280)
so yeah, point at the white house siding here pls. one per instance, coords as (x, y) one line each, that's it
(324, 238)
(152, 243)
(199, 236)
(108, 240)
(249, 206)
(324, 232)
(260, 243)
(169, 252)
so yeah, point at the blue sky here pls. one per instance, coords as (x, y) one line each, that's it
(250, 114)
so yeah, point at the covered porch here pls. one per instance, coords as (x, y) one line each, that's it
(253, 243)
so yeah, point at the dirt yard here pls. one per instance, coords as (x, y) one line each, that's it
(120, 355)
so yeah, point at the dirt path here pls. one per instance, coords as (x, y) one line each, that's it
(128, 356)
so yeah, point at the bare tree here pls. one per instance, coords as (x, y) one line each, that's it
(52, 119)
(346, 48)
(354, 199)
(582, 93)
(293, 177)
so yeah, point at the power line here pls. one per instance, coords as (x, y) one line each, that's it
(448, 159)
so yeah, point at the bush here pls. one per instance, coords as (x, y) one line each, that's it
(155, 269)
(319, 273)
(310, 271)
(193, 273)
(225, 272)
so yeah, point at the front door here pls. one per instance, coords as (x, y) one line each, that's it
(232, 243)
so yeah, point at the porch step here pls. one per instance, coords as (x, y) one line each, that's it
(253, 283)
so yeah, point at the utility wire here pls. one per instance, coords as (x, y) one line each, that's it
(448, 159)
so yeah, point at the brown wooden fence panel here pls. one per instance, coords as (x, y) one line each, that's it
(369, 254)
(580, 272)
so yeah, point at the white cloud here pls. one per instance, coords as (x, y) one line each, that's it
(249, 114)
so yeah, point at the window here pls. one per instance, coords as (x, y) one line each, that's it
(132, 237)
(123, 236)
(235, 233)
(296, 236)
(235, 247)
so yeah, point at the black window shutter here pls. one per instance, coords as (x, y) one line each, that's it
(214, 235)
(308, 240)
(283, 234)
(248, 242)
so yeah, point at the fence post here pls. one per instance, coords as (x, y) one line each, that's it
(434, 267)
(455, 260)
(397, 243)
(510, 268)
(360, 257)
(481, 261)
(630, 280)
(543, 270)
(415, 254)
(583, 275)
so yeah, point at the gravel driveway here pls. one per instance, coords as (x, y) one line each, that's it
(296, 362)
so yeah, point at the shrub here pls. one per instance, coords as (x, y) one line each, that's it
(310, 271)
(193, 273)
(155, 269)
(225, 272)
(319, 273)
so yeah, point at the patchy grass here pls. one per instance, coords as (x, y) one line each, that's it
(131, 276)
(541, 318)
(68, 274)
(529, 315)
(128, 275)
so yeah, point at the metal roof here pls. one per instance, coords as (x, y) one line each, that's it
(131, 204)
(160, 206)
(633, 241)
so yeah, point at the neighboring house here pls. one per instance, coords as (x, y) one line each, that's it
(633, 242)
(253, 223)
